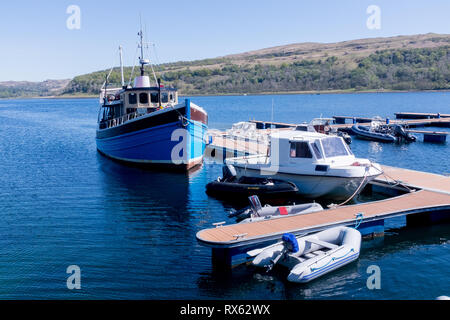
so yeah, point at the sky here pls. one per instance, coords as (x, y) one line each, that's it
(36, 43)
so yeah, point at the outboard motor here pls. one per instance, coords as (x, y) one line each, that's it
(345, 136)
(401, 133)
(254, 208)
(290, 242)
(290, 245)
(228, 173)
(255, 204)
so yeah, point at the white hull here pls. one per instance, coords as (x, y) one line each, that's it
(314, 186)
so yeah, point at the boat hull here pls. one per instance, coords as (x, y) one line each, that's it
(239, 190)
(373, 136)
(160, 140)
(315, 186)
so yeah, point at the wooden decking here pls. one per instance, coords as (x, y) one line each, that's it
(387, 208)
(416, 179)
(434, 194)
(237, 146)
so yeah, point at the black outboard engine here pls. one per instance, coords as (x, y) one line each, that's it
(254, 208)
(228, 173)
(255, 204)
(402, 134)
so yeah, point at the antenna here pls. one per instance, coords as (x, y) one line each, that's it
(271, 119)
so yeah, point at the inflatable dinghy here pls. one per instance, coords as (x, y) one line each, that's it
(257, 213)
(367, 133)
(383, 133)
(231, 187)
(312, 256)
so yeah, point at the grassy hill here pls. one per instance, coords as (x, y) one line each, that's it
(12, 89)
(418, 62)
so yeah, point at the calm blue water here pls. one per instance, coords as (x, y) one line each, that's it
(132, 231)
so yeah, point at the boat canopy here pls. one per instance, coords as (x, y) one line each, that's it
(308, 145)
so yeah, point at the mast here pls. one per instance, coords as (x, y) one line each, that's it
(141, 60)
(121, 66)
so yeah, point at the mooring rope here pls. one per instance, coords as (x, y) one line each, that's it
(333, 205)
(359, 219)
(396, 182)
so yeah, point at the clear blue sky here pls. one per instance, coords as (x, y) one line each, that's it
(36, 44)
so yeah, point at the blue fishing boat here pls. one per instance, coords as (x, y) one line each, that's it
(146, 124)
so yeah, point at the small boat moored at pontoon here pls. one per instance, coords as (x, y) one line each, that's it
(320, 165)
(231, 187)
(373, 132)
(310, 257)
(382, 132)
(255, 212)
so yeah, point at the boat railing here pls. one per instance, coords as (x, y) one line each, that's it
(122, 119)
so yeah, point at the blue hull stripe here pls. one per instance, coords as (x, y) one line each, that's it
(327, 269)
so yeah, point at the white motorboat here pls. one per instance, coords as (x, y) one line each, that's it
(311, 256)
(320, 165)
(256, 212)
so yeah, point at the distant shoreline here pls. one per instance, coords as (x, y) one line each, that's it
(242, 94)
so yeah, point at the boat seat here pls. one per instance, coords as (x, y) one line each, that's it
(309, 255)
(322, 243)
(295, 256)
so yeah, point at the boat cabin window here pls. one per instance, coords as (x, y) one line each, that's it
(316, 149)
(334, 147)
(132, 98)
(171, 97)
(300, 150)
(143, 98)
(154, 97)
(164, 97)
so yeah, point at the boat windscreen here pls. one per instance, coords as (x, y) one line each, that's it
(316, 148)
(334, 147)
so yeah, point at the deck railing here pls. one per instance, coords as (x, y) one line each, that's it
(120, 120)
